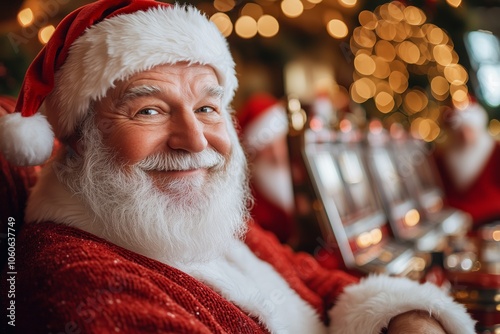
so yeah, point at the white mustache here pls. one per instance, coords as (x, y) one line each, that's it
(181, 161)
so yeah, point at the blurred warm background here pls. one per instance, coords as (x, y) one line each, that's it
(373, 93)
(400, 60)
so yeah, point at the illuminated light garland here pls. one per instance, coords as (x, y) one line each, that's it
(393, 43)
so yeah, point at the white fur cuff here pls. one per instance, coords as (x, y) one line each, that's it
(368, 307)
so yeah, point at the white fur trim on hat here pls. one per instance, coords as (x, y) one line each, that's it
(126, 44)
(272, 124)
(26, 141)
(368, 307)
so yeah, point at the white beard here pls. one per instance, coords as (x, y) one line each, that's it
(471, 150)
(275, 182)
(193, 219)
(468, 161)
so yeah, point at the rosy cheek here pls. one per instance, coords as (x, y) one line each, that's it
(220, 141)
(132, 145)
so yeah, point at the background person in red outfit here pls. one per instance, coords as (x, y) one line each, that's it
(264, 127)
(139, 223)
(469, 162)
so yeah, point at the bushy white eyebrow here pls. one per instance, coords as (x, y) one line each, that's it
(215, 91)
(135, 92)
(149, 90)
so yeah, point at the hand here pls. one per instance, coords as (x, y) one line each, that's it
(415, 322)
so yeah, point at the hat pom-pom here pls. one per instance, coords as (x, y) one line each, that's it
(26, 141)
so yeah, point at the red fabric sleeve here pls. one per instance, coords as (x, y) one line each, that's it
(315, 284)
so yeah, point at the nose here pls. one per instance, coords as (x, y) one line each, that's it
(186, 132)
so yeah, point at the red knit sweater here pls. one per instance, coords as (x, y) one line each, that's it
(71, 281)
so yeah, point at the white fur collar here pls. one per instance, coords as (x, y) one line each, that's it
(254, 285)
(239, 276)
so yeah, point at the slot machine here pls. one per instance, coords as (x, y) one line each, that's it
(407, 219)
(333, 189)
(415, 163)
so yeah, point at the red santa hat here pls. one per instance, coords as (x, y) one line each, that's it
(92, 48)
(262, 119)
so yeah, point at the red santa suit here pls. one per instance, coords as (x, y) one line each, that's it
(469, 168)
(83, 282)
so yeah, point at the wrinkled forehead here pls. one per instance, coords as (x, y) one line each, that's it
(193, 78)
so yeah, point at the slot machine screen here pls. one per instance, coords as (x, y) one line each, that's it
(425, 180)
(331, 181)
(357, 183)
(425, 175)
(390, 180)
(416, 161)
(344, 184)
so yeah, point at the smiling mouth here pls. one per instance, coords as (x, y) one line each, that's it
(180, 172)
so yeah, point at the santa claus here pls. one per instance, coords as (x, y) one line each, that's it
(139, 224)
(468, 163)
(263, 127)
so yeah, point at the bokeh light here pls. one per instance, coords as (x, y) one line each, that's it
(45, 33)
(223, 23)
(246, 27)
(393, 45)
(25, 17)
(267, 26)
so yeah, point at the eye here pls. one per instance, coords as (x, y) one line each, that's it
(206, 109)
(148, 112)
